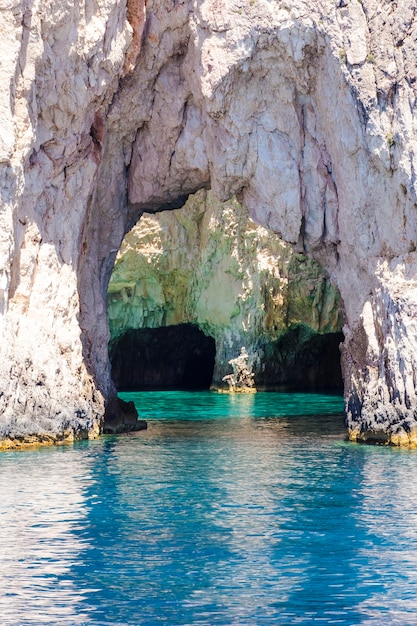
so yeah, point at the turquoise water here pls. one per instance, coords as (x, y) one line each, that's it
(249, 510)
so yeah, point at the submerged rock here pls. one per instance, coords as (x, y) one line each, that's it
(122, 417)
(304, 110)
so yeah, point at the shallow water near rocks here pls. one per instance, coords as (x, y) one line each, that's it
(228, 510)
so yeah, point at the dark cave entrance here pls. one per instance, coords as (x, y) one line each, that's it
(182, 357)
(303, 360)
(178, 357)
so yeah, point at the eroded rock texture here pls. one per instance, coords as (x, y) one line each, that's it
(208, 264)
(303, 110)
(61, 64)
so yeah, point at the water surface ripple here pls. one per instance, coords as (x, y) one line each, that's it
(249, 510)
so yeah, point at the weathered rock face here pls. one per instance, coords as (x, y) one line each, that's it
(208, 264)
(304, 110)
(61, 65)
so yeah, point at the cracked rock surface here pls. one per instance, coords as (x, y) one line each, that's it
(303, 110)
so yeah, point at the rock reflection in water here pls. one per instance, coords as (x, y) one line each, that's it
(225, 511)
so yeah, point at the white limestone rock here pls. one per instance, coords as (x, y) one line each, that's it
(61, 64)
(306, 113)
(304, 110)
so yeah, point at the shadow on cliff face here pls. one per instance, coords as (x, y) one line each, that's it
(173, 357)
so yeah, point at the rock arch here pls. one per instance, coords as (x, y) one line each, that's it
(305, 112)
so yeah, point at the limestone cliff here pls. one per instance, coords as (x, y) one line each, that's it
(303, 110)
(61, 64)
(210, 265)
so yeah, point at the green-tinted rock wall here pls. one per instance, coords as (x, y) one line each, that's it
(209, 265)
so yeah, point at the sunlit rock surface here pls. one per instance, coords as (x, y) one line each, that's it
(61, 65)
(208, 264)
(303, 110)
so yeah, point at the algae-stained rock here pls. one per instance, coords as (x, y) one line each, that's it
(208, 264)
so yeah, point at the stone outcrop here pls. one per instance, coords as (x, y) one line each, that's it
(303, 110)
(62, 62)
(208, 264)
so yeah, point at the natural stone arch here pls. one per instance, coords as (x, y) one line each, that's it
(305, 112)
(295, 154)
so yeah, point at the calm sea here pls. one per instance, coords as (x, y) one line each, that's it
(249, 510)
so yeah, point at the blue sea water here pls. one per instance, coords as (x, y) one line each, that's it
(228, 510)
